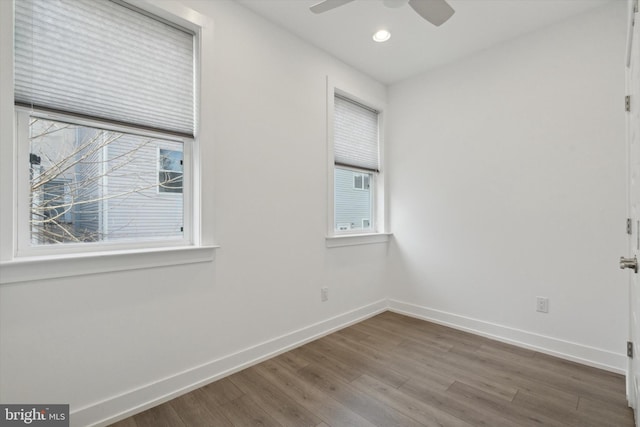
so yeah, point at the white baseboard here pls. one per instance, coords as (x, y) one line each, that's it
(591, 356)
(134, 401)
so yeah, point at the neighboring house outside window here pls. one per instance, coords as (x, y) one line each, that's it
(353, 204)
(93, 185)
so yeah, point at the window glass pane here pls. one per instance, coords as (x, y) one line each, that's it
(95, 185)
(353, 205)
(357, 181)
(170, 182)
(170, 160)
(170, 174)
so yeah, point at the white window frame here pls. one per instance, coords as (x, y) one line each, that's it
(379, 232)
(19, 263)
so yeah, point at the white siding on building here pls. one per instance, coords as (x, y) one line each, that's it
(140, 210)
(87, 218)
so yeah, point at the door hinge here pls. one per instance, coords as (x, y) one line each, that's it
(627, 103)
(629, 225)
(630, 349)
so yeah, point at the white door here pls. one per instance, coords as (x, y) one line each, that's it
(633, 135)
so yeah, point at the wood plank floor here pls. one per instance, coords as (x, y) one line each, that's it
(393, 370)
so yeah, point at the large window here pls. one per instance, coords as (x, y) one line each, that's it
(104, 97)
(356, 165)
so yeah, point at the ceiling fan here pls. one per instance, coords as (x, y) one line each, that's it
(435, 11)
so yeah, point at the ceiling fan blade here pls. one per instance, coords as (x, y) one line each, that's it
(326, 5)
(435, 11)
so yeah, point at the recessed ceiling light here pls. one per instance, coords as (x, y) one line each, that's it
(381, 36)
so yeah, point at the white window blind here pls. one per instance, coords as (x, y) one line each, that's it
(355, 135)
(104, 60)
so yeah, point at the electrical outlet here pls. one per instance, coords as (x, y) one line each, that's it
(542, 304)
(324, 294)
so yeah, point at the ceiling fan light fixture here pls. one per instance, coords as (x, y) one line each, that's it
(436, 12)
(381, 36)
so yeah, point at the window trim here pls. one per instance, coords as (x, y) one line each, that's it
(25, 268)
(379, 219)
(357, 239)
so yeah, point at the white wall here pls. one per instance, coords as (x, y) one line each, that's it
(507, 176)
(106, 343)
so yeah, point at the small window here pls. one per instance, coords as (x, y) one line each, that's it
(358, 181)
(361, 181)
(356, 165)
(170, 171)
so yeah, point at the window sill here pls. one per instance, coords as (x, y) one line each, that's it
(356, 239)
(50, 267)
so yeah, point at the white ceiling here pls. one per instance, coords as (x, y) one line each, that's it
(415, 45)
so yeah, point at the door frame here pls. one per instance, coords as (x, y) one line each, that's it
(633, 392)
